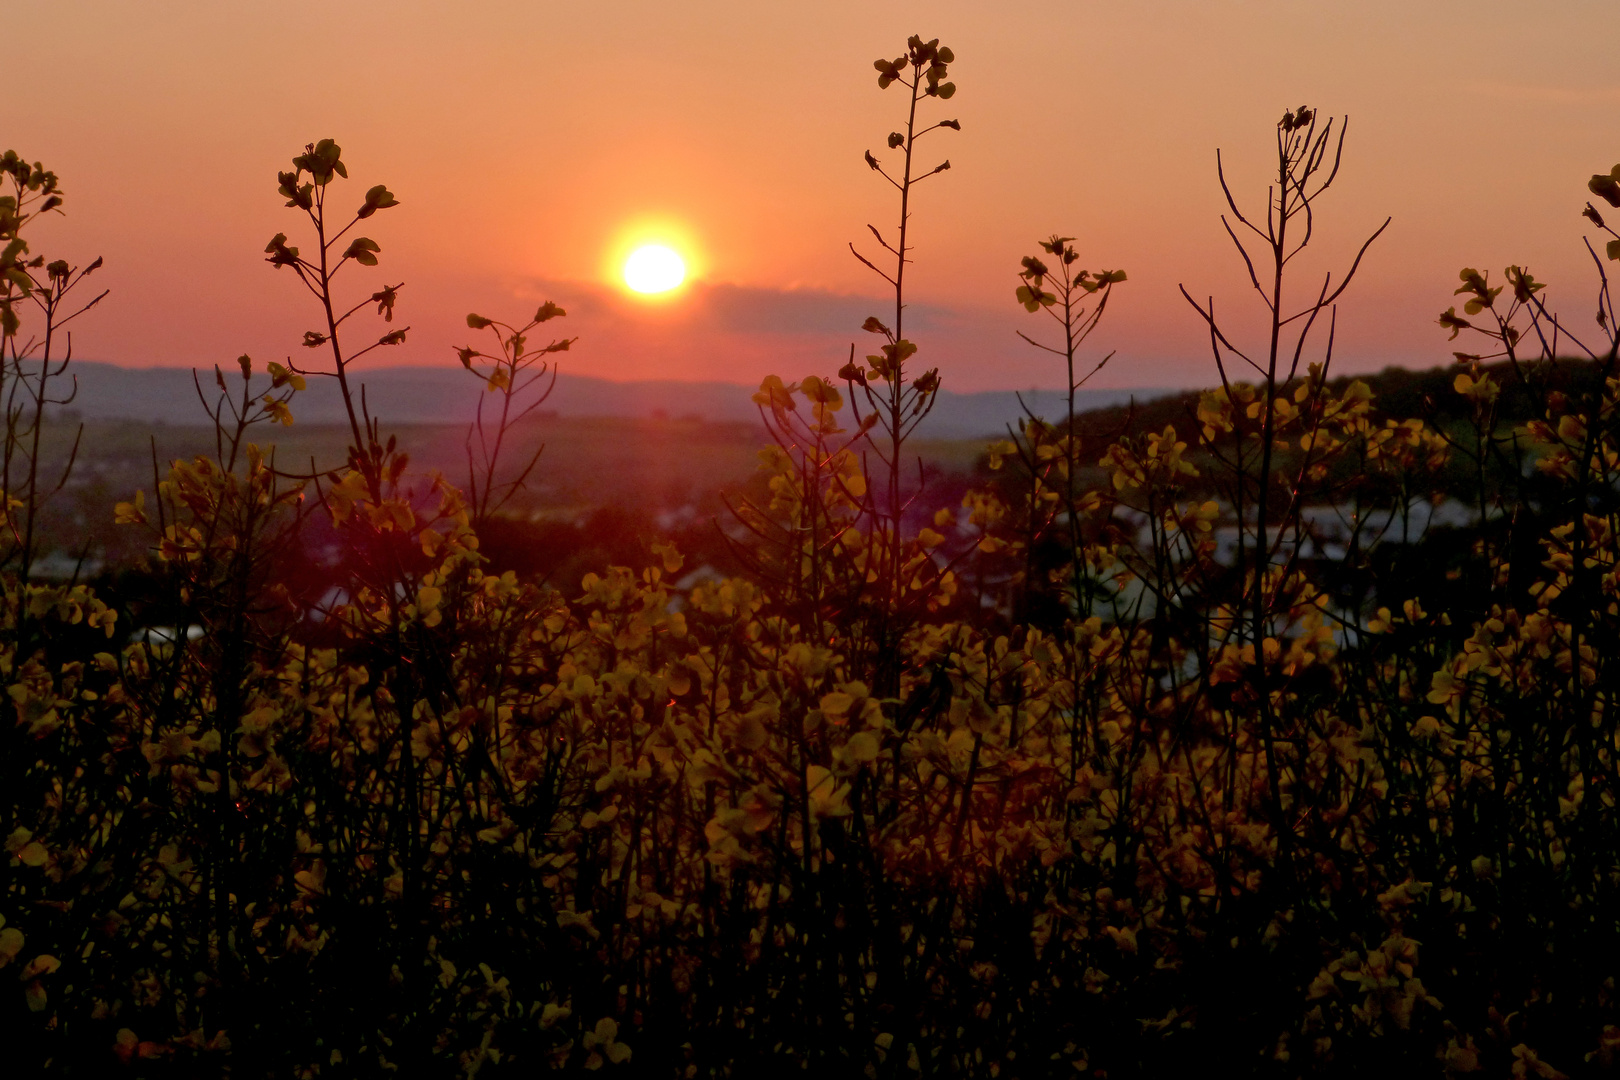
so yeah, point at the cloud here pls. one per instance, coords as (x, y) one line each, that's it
(738, 334)
(723, 307)
(749, 310)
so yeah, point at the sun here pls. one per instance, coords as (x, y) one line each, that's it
(654, 268)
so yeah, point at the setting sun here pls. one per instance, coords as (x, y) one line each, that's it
(654, 268)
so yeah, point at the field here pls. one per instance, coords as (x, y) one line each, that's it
(650, 476)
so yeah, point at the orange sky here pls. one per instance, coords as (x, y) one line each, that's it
(522, 138)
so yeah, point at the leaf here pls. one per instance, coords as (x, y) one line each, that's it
(378, 198)
(295, 195)
(131, 513)
(280, 376)
(43, 964)
(278, 411)
(384, 299)
(1453, 322)
(888, 71)
(836, 705)
(828, 798)
(321, 161)
(774, 394)
(1606, 188)
(363, 251)
(312, 882)
(1034, 299)
(862, 748)
(280, 254)
(900, 351)
(11, 943)
(671, 556)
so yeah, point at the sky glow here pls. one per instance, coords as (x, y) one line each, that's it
(1475, 126)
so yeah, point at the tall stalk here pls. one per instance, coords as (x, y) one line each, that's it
(1307, 162)
(900, 405)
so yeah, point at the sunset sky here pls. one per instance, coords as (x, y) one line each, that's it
(527, 141)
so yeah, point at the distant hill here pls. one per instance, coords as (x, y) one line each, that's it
(1398, 393)
(449, 395)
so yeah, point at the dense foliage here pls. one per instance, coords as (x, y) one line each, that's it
(1213, 743)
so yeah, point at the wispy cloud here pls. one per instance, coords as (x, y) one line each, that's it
(744, 309)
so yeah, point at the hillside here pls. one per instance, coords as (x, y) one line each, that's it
(439, 395)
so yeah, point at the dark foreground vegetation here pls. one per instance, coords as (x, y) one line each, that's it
(1276, 738)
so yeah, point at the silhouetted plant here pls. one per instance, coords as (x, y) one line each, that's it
(29, 365)
(898, 399)
(1048, 454)
(524, 378)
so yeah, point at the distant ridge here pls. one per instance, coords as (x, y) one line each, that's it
(412, 395)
